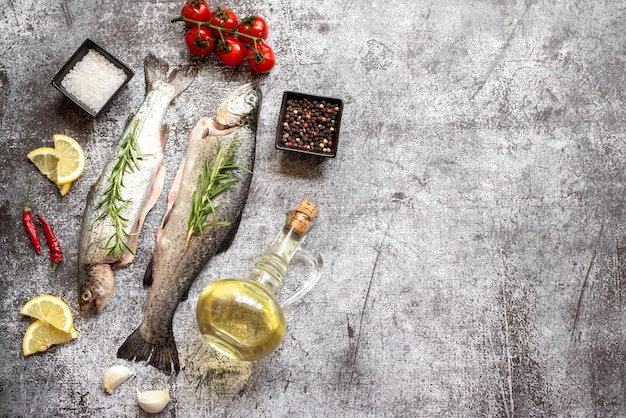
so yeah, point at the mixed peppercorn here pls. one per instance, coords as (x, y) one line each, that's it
(310, 125)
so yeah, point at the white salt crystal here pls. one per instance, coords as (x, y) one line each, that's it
(93, 80)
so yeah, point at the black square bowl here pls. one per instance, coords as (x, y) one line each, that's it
(309, 124)
(78, 55)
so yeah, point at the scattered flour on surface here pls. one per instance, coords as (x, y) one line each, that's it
(93, 80)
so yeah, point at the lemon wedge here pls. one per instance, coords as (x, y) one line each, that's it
(46, 160)
(39, 336)
(50, 309)
(62, 164)
(64, 188)
(71, 157)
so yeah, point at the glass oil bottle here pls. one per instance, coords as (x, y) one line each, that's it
(242, 318)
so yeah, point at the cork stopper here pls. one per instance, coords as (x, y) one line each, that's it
(300, 219)
(308, 208)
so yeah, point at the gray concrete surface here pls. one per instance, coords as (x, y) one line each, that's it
(472, 225)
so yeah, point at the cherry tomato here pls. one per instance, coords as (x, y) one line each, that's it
(197, 10)
(261, 58)
(200, 41)
(254, 26)
(231, 51)
(224, 18)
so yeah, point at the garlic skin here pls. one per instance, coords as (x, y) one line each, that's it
(115, 376)
(153, 401)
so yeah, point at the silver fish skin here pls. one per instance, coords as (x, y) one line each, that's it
(174, 266)
(141, 187)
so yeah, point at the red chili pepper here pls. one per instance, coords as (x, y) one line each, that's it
(27, 217)
(56, 255)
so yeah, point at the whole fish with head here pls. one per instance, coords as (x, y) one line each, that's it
(129, 186)
(222, 149)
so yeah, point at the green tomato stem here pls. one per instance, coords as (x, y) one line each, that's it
(220, 30)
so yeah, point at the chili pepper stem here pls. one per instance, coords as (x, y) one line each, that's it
(26, 208)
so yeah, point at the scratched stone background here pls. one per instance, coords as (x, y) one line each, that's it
(472, 225)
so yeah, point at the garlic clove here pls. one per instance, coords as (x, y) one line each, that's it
(153, 401)
(115, 376)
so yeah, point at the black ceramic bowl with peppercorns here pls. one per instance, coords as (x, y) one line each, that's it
(309, 124)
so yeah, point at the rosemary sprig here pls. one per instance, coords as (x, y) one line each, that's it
(128, 157)
(214, 179)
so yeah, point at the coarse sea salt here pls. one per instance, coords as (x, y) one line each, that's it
(93, 80)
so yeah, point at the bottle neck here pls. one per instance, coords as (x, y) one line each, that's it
(271, 268)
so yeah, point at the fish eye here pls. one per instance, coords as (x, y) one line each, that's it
(86, 296)
(252, 99)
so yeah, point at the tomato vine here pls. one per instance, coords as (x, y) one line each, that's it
(233, 41)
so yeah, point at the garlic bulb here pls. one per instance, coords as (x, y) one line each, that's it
(115, 376)
(153, 401)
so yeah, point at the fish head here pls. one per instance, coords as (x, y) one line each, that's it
(97, 288)
(240, 107)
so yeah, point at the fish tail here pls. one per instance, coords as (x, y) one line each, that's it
(181, 78)
(147, 277)
(154, 69)
(158, 69)
(161, 354)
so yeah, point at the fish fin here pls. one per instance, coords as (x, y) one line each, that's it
(231, 235)
(130, 118)
(164, 134)
(155, 192)
(154, 69)
(128, 257)
(161, 354)
(92, 192)
(185, 295)
(157, 69)
(166, 217)
(147, 277)
(181, 78)
(171, 197)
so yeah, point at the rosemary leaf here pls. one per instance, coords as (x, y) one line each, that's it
(223, 187)
(112, 203)
(214, 179)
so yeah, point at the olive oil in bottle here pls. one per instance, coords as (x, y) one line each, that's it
(241, 318)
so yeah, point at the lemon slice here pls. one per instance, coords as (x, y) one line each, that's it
(46, 160)
(52, 310)
(71, 159)
(64, 188)
(39, 336)
(62, 164)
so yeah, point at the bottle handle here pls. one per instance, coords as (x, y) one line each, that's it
(316, 259)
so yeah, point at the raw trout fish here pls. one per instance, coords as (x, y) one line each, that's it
(180, 256)
(128, 187)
